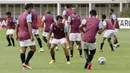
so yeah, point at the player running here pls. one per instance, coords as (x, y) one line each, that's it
(11, 21)
(66, 13)
(114, 21)
(60, 37)
(74, 22)
(47, 20)
(92, 26)
(35, 30)
(109, 33)
(25, 36)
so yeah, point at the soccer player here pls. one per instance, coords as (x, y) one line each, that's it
(74, 22)
(35, 30)
(92, 26)
(11, 21)
(47, 20)
(66, 13)
(114, 21)
(25, 36)
(109, 33)
(60, 37)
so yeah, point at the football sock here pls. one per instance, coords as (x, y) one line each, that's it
(8, 39)
(80, 52)
(45, 40)
(111, 46)
(22, 56)
(52, 54)
(71, 52)
(30, 54)
(39, 42)
(101, 46)
(68, 58)
(12, 39)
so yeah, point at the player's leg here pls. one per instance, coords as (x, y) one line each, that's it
(39, 42)
(110, 43)
(71, 47)
(44, 35)
(22, 54)
(79, 48)
(11, 36)
(64, 46)
(7, 37)
(91, 55)
(29, 56)
(52, 52)
(44, 39)
(106, 35)
(102, 44)
(115, 40)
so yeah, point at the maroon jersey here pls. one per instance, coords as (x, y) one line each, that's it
(75, 23)
(49, 20)
(58, 31)
(113, 21)
(68, 13)
(91, 29)
(10, 23)
(23, 28)
(34, 20)
(109, 25)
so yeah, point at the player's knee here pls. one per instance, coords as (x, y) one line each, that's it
(92, 52)
(34, 49)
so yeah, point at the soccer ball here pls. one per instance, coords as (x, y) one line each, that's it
(101, 60)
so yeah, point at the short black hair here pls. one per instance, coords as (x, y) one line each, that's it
(31, 5)
(67, 6)
(8, 13)
(93, 12)
(112, 10)
(48, 12)
(104, 16)
(59, 17)
(27, 6)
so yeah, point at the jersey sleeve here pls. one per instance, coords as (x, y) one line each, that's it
(14, 21)
(43, 18)
(51, 27)
(81, 18)
(69, 19)
(84, 22)
(64, 13)
(100, 25)
(65, 29)
(113, 16)
(29, 18)
(104, 23)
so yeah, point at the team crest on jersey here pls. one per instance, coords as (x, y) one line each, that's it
(72, 18)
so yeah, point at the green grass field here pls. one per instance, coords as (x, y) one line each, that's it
(117, 62)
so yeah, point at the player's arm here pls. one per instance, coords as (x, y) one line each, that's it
(29, 21)
(102, 26)
(66, 34)
(114, 18)
(83, 23)
(17, 31)
(69, 26)
(63, 15)
(50, 33)
(43, 22)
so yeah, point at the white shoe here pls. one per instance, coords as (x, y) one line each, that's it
(57, 49)
(41, 50)
(26, 66)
